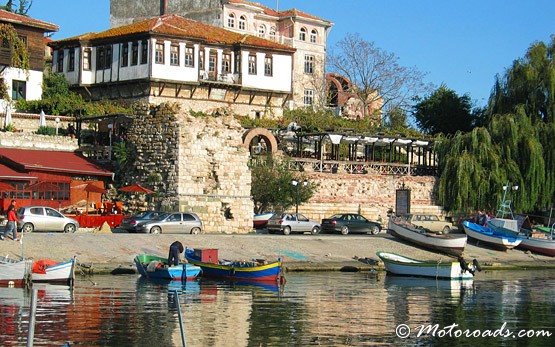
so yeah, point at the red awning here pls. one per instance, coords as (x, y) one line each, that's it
(136, 188)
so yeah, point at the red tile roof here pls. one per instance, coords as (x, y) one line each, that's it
(7, 173)
(177, 26)
(52, 161)
(13, 18)
(281, 14)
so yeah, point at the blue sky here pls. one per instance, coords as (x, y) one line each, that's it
(461, 43)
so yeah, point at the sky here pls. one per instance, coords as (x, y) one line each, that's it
(463, 44)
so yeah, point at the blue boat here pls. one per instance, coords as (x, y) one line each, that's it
(156, 267)
(490, 236)
(259, 271)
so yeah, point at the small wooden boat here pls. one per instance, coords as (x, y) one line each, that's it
(490, 236)
(447, 243)
(538, 242)
(236, 270)
(14, 273)
(401, 265)
(156, 267)
(50, 271)
(260, 220)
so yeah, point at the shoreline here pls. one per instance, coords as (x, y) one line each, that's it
(113, 253)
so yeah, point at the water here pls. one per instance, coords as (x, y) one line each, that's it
(330, 309)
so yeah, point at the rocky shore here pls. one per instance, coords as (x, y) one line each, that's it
(113, 252)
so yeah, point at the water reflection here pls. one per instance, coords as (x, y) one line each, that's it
(332, 309)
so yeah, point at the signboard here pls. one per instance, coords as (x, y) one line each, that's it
(217, 94)
(402, 202)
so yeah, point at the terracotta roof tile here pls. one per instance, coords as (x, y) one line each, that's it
(53, 161)
(281, 14)
(177, 26)
(10, 17)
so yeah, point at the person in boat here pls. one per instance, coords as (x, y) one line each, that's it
(174, 256)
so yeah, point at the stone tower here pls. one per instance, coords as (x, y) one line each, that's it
(124, 12)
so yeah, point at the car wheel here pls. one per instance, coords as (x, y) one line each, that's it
(374, 230)
(195, 231)
(446, 230)
(27, 228)
(344, 230)
(69, 228)
(155, 230)
(286, 230)
(315, 231)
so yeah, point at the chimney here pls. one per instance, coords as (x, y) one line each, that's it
(163, 7)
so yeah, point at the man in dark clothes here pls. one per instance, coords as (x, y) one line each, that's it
(174, 256)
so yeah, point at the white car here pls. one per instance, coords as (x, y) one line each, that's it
(288, 223)
(43, 218)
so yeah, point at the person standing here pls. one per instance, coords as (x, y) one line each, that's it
(12, 223)
(174, 256)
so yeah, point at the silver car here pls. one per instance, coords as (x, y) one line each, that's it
(43, 218)
(174, 222)
(292, 223)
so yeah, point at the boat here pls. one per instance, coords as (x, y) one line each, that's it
(256, 270)
(539, 242)
(401, 265)
(156, 267)
(14, 273)
(502, 241)
(50, 271)
(259, 221)
(452, 244)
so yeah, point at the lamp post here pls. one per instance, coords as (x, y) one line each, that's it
(506, 204)
(297, 186)
(57, 124)
(110, 127)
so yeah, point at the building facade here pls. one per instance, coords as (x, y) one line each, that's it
(306, 33)
(171, 58)
(21, 84)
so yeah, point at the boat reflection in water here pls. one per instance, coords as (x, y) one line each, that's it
(457, 289)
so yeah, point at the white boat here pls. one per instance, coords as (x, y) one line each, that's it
(53, 272)
(447, 243)
(260, 220)
(489, 236)
(543, 245)
(401, 265)
(14, 272)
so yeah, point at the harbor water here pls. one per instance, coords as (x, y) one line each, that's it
(322, 308)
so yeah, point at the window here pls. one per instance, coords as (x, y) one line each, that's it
(242, 23)
(262, 30)
(273, 33)
(268, 69)
(308, 97)
(189, 56)
(252, 64)
(159, 53)
(237, 61)
(201, 60)
(302, 34)
(19, 90)
(125, 54)
(87, 59)
(23, 40)
(71, 60)
(108, 62)
(309, 64)
(144, 52)
(176, 217)
(174, 55)
(226, 63)
(60, 61)
(188, 218)
(313, 36)
(134, 53)
(100, 58)
(231, 20)
(212, 62)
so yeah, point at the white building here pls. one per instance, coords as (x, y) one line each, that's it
(171, 58)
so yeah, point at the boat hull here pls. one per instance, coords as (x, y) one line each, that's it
(542, 246)
(449, 244)
(261, 220)
(400, 265)
(488, 236)
(14, 273)
(263, 273)
(63, 272)
(175, 273)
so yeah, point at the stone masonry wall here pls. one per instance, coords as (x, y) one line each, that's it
(30, 140)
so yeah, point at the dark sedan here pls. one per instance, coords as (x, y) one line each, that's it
(131, 224)
(347, 223)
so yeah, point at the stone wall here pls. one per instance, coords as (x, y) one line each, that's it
(198, 164)
(29, 122)
(31, 140)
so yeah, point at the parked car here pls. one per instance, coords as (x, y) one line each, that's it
(131, 224)
(174, 222)
(288, 223)
(431, 222)
(43, 218)
(347, 223)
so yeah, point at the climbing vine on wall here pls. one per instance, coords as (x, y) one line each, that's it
(11, 40)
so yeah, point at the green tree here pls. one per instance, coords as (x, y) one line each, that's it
(271, 186)
(444, 112)
(18, 48)
(22, 8)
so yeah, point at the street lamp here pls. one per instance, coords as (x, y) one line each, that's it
(57, 124)
(110, 127)
(297, 186)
